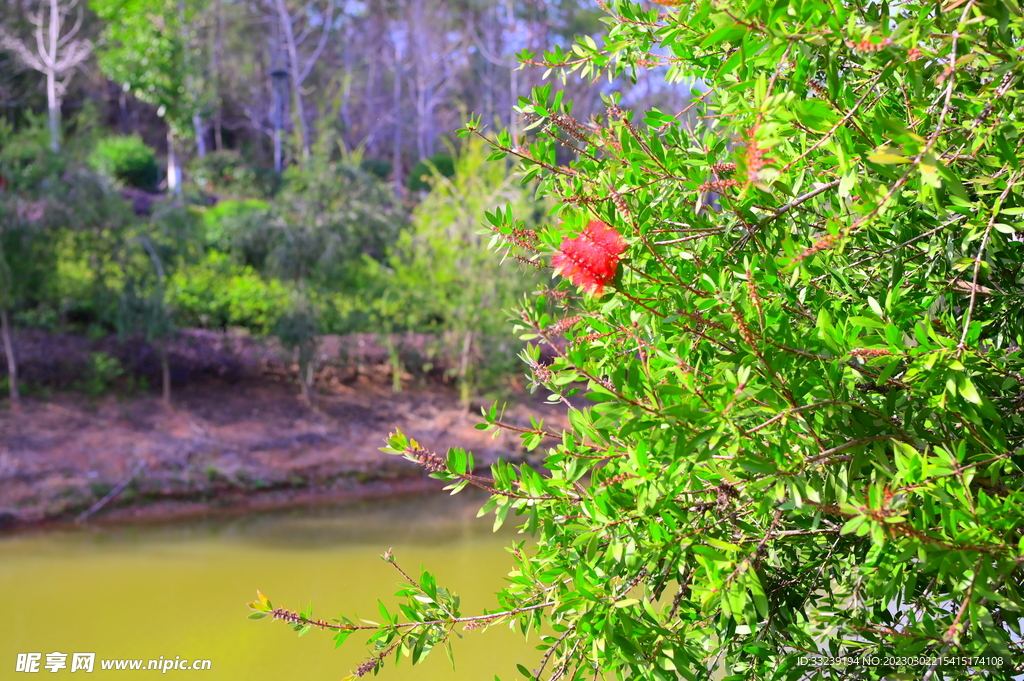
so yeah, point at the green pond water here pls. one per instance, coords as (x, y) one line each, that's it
(142, 592)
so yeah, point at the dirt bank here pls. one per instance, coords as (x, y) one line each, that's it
(249, 443)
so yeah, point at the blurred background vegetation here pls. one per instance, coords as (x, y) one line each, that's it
(282, 169)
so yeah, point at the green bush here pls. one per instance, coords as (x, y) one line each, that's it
(220, 219)
(801, 454)
(421, 175)
(61, 249)
(218, 293)
(127, 160)
(327, 217)
(224, 171)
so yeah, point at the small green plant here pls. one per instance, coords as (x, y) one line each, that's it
(102, 372)
(297, 329)
(127, 160)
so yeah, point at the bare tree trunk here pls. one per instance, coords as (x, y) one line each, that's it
(307, 377)
(52, 99)
(396, 153)
(165, 373)
(200, 127)
(513, 85)
(278, 159)
(293, 58)
(12, 363)
(218, 45)
(395, 359)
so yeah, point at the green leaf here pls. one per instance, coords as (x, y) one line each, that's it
(885, 156)
(967, 390)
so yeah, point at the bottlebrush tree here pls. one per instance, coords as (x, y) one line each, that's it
(805, 433)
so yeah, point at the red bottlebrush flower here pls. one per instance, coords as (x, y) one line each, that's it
(754, 158)
(590, 260)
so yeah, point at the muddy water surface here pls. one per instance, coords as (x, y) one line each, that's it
(142, 592)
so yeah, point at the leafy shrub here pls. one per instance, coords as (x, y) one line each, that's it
(224, 171)
(218, 293)
(325, 220)
(230, 211)
(805, 432)
(126, 159)
(422, 173)
(60, 247)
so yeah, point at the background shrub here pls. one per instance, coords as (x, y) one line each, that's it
(224, 171)
(377, 167)
(127, 160)
(218, 293)
(419, 176)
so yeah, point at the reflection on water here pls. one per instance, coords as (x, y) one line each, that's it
(142, 592)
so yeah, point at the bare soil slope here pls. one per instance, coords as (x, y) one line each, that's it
(225, 444)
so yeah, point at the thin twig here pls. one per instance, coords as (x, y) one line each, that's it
(111, 494)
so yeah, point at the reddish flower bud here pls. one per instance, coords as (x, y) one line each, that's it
(590, 260)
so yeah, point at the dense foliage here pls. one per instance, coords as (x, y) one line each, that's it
(805, 433)
(127, 160)
(328, 250)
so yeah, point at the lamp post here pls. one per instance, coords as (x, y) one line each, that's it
(279, 82)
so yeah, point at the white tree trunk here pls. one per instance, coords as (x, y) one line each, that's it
(52, 97)
(173, 172)
(53, 107)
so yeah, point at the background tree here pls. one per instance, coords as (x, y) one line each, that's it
(806, 433)
(148, 258)
(157, 38)
(449, 277)
(294, 26)
(329, 220)
(57, 53)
